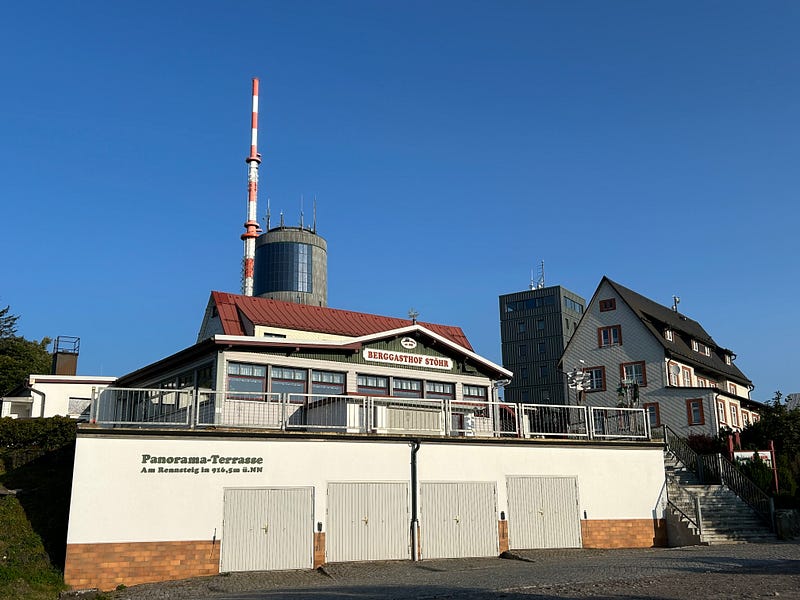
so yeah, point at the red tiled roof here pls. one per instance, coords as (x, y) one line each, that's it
(288, 315)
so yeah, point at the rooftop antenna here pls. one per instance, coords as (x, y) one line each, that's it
(301, 211)
(532, 285)
(413, 314)
(281, 218)
(268, 215)
(540, 283)
(251, 225)
(675, 301)
(314, 226)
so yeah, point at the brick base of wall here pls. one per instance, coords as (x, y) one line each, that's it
(502, 534)
(105, 566)
(319, 549)
(624, 533)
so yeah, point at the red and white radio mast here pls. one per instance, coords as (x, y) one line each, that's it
(251, 225)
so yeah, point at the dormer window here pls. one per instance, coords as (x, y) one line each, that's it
(668, 335)
(609, 304)
(701, 348)
(727, 359)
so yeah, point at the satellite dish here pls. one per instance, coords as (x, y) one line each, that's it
(675, 370)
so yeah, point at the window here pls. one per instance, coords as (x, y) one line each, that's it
(523, 350)
(248, 379)
(668, 335)
(475, 393)
(284, 380)
(328, 383)
(745, 418)
(702, 382)
(673, 373)
(609, 336)
(721, 410)
(633, 372)
(694, 411)
(540, 324)
(596, 379)
(371, 385)
(701, 348)
(734, 416)
(653, 414)
(435, 389)
(284, 266)
(406, 388)
(686, 375)
(732, 388)
(607, 305)
(521, 327)
(523, 373)
(570, 304)
(727, 359)
(541, 347)
(530, 303)
(526, 396)
(543, 371)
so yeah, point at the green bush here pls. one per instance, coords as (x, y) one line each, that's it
(45, 434)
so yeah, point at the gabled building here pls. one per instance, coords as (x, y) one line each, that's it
(637, 352)
(308, 362)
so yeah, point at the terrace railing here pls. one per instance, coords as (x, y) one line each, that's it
(126, 407)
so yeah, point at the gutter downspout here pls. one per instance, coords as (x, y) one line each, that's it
(42, 395)
(414, 519)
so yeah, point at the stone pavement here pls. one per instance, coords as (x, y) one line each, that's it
(712, 572)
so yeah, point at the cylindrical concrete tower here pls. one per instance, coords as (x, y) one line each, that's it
(291, 264)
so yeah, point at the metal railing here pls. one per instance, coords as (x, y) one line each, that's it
(126, 407)
(717, 469)
(610, 423)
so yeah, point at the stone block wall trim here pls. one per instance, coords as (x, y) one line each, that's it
(105, 566)
(502, 531)
(624, 533)
(319, 549)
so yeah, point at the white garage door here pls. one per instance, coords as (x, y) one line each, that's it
(543, 512)
(458, 519)
(267, 529)
(367, 521)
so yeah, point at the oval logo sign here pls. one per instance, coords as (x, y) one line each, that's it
(408, 342)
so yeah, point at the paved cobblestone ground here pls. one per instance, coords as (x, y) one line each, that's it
(702, 572)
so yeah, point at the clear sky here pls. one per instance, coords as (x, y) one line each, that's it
(451, 146)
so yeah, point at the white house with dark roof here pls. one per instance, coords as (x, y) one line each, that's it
(637, 352)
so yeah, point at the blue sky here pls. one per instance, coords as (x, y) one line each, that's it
(451, 146)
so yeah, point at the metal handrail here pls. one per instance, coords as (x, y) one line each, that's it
(715, 468)
(697, 525)
(681, 449)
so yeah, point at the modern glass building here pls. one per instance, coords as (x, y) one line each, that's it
(535, 326)
(291, 264)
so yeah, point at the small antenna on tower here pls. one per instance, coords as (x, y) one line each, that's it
(314, 226)
(268, 215)
(540, 283)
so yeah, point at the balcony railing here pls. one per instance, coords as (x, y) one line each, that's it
(127, 407)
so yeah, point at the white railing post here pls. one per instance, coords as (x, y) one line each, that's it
(284, 398)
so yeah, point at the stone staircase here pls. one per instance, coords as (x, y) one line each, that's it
(726, 518)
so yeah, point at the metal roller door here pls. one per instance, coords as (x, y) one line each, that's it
(458, 519)
(267, 529)
(543, 512)
(367, 521)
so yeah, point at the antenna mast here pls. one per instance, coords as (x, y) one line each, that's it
(251, 225)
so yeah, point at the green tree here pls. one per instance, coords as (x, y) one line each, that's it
(8, 323)
(782, 426)
(19, 358)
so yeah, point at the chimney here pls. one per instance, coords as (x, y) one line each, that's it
(65, 355)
